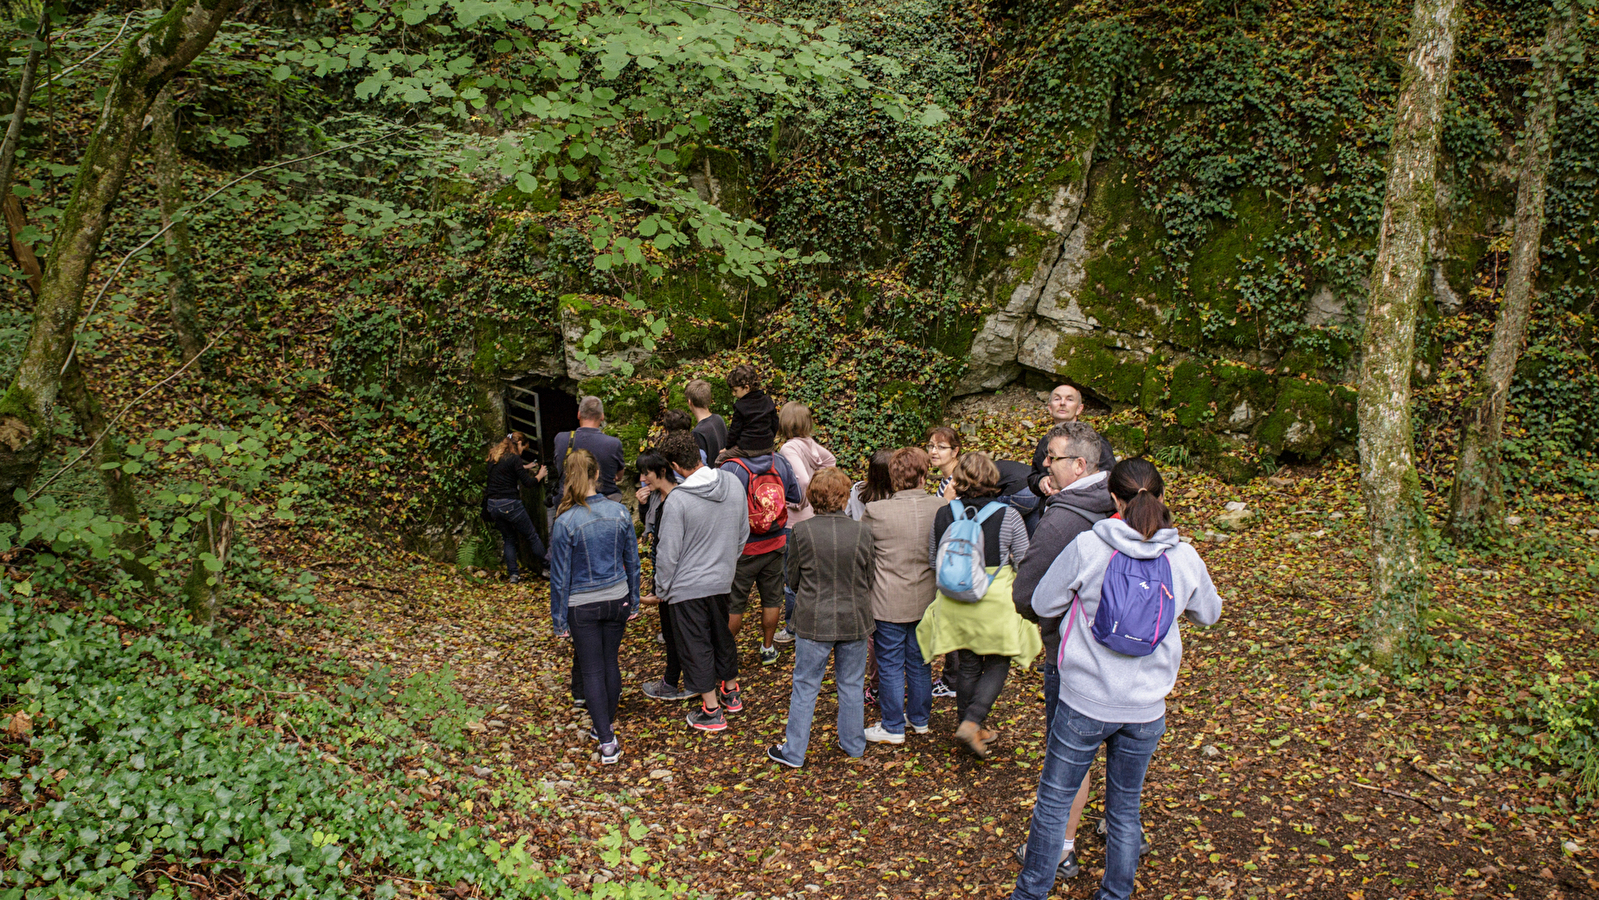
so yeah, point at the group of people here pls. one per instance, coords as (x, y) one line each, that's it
(1074, 556)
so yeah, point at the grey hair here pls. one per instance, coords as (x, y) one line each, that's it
(1081, 440)
(591, 407)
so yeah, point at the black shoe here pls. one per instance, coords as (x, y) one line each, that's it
(1144, 846)
(579, 703)
(707, 720)
(774, 756)
(1068, 867)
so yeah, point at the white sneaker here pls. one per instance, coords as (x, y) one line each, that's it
(877, 734)
(920, 729)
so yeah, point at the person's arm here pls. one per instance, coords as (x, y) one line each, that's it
(668, 544)
(560, 575)
(1107, 455)
(735, 427)
(631, 564)
(799, 550)
(1012, 538)
(1204, 607)
(617, 465)
(932, 539)
(1042, 548)
(1036, 477)
(704, 441)
(1053, 596)
(793, 492)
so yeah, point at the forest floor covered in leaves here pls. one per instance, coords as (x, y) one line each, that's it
(1286, 771)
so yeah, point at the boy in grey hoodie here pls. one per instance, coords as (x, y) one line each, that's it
(703, 526)
(1106, 697)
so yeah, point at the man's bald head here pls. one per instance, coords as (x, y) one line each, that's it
(1065, 403)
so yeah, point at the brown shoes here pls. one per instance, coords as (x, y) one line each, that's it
(971, 734)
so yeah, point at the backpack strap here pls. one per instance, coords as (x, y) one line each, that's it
(992, 507)
(958, 509)
(1072, 616)
(747, 470)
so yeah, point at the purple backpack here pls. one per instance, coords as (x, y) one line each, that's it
(1136, 605)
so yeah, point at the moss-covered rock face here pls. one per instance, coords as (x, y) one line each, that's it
(1304, 421)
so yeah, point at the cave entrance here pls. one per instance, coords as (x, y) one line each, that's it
(540, 411)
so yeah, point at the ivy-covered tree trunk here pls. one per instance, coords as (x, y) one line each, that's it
(169, 193)
(1478, 495)
(150, 61)
(107, 458)
(1388, 476)
(203, 590)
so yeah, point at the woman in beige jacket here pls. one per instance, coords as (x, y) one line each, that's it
(902, 588)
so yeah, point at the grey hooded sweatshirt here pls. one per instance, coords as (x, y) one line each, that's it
(1095, 680)
(703, 526)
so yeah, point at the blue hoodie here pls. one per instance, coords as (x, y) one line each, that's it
(1095, 680)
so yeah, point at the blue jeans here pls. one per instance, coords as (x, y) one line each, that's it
(849, 671)
(1074, 741)
(1051, 691)
(901, 670)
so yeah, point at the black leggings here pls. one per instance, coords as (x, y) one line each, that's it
(596, 636)
(978, 684)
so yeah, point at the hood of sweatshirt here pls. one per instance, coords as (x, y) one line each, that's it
(706, 483)
(1091, 492)
(813, 454)
(1123, 539)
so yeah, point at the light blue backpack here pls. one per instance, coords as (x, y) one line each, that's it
(960, 571)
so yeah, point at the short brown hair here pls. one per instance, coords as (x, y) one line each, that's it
(677, 420)
(794, 421)
(698, 393)
(743, 376)
(976, 476)
(948, 435)
(908, 468)
(681, 450)
(829, 490)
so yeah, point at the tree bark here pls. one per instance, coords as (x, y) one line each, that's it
(118, 484)
(203, 589)
(1478, 499)
(150, 61)
(169, 192)
(19, 112)
(1388, 479)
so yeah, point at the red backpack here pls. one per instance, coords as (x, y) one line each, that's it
(768, 507)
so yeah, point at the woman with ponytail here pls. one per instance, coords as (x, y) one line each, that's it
(594, 586)
(502, 500)
(1108, 696)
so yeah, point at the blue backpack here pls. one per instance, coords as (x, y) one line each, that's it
(960, 571)
(1136, 605)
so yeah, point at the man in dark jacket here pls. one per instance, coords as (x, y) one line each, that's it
(1065, 405)
(589, 436)
(1072, 451)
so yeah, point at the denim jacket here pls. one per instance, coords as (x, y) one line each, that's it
(591, 548)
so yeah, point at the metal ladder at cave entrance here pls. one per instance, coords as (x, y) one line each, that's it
(523, 413)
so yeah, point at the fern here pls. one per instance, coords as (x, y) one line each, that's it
(466, 553)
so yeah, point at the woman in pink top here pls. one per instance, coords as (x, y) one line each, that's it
(805, 458)
(804, 455)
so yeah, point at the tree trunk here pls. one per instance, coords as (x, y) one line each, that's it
(1478, 497)
(1388, 476)
(19, 112)
(118, 484)
(203, 589)
(169, 191)
(151, 60)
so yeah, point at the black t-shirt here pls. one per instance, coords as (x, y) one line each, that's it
(1012, 476)
(506, 476)
(711, 435)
